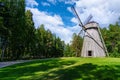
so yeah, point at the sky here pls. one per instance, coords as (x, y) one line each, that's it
(57, 16)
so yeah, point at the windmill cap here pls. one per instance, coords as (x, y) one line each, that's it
(91, 25)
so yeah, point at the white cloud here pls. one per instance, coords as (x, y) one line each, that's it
(103, 11)
(54, 23)
(74, 20)
(70, 1)
(69, 9)
(45, 4)
(52, 1)
(44, 18)
(31, 3)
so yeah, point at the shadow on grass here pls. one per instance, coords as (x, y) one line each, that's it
(87, 71)
(28, 69)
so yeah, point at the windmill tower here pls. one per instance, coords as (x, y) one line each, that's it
(93, 43)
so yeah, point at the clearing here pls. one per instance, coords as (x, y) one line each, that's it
(71, 68)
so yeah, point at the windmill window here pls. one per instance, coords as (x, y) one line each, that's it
(89, 53)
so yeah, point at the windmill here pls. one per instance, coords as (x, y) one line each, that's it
(93, 43)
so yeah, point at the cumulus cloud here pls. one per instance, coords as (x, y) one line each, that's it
(45, 4)
(70, 1)
(53, 23)
(74, 20)
(103, 11)
(52, 1)
(31, 3)
(69, 9)
(41, 17)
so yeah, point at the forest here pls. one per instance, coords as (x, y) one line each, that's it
(19, 39)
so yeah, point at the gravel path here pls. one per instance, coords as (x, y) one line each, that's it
(4, 64)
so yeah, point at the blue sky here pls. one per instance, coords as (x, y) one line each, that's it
(57, 7)
(57, 16)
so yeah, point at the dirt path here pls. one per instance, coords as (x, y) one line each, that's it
(4, 64)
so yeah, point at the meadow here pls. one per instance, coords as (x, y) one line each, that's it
(71, 68)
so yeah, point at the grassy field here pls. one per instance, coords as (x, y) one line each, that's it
(64, 69)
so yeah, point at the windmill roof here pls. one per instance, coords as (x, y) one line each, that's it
(91, 24)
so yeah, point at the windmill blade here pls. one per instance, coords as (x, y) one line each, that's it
(88, 19)
(80, 22)
(80, 32)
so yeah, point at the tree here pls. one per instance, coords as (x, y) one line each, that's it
(40, 42)
(29, 37)
(23, 39)
(112, 39)
(48, 45)
(59, 46)
(17, 21)
(14, 22)
(4, 29)
(68, 51)
(76, 44)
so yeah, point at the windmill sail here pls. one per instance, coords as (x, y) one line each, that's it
(88, 19)
(80, 22)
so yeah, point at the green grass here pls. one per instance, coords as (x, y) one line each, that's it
(64, 69)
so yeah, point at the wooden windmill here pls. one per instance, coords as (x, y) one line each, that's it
(93, 43)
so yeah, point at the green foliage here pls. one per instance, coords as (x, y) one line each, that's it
(112, 39)
(29, 35)
(48, 45)
(23, 40)
(19, 39)
(68, 51)
(76, 44)
(74, 49)
(64, 69)
(13, 23)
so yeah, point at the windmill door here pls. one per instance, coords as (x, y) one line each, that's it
(90, 53)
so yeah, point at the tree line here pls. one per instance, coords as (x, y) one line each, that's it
(111, 37)
(19, 39)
